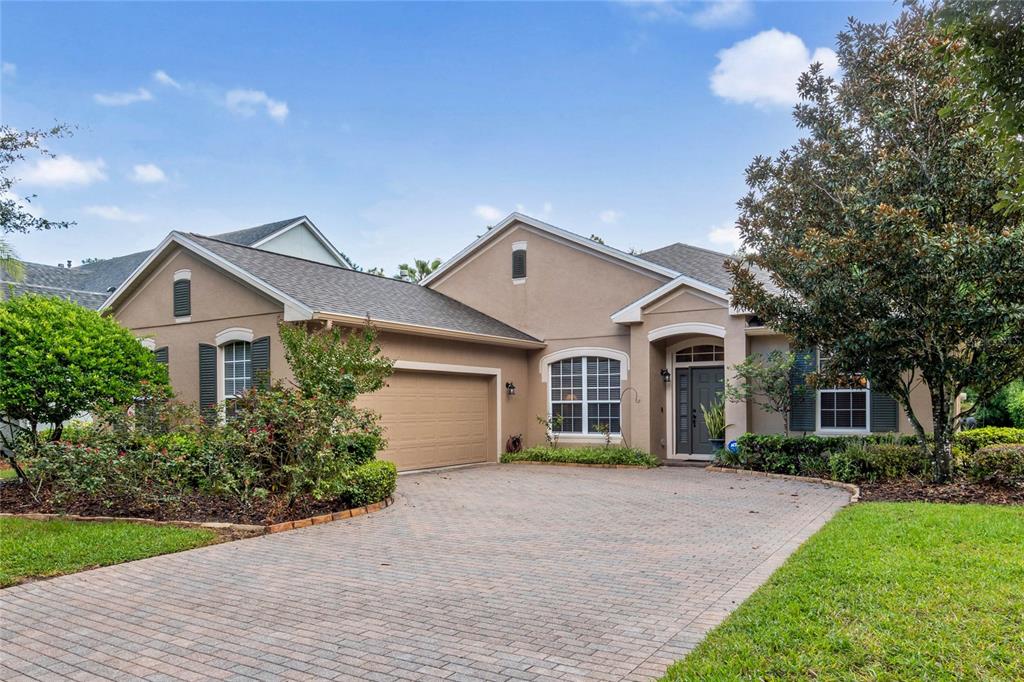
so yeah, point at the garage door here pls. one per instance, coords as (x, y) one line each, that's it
(434, 419)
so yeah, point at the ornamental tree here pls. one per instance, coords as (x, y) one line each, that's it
(878, 232)
(767, 381)
(59, 359)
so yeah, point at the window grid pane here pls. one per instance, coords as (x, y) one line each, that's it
(585, 394)
(237, 368)
(843, 409)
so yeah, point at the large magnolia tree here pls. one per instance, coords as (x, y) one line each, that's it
(879, 233)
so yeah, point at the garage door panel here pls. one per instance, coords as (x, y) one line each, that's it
(434, 419)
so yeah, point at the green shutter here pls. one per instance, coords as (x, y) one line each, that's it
(804, 403)
(261, 362)
(884, 413)
(519, 264)
(182, 298)
(161, 355)
(207, 378)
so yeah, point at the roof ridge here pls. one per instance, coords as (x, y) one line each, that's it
(690, 246)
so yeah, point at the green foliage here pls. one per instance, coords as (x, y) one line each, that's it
(40, 549)
(714, 419)
(15, 214)
(844, 458)
(418, 271)
(1002, 464)
(603, 455)
(552, 428)
(335, 364)
(370, 482)
(58, 359)
(883, 592)
(877, 462)
(1015, 403)
(878, 230)
(985, 51)
(973, 440)
(996, 410)
(767, 381)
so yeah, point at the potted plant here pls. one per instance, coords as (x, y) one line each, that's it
(714, 419)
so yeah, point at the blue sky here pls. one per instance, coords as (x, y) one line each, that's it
(402, 129)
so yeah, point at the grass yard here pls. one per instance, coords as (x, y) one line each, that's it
(7, 473)
(35, 549)
(885, 591)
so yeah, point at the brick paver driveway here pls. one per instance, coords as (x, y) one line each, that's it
(496, 572)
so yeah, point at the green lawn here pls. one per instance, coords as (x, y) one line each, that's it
(45, 548)
(8, 472)
(885, 591)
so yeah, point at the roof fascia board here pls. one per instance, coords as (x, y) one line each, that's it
(425, 330)
(632, 312)
(314, 230)
(540, 225)
(296, 307)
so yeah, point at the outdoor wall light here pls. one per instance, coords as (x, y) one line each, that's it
(510, 388)
(666, 375)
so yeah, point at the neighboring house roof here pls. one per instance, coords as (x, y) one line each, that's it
(701, 264)
(541, 226)
(316, 289)
(92, 283)
(89, 299)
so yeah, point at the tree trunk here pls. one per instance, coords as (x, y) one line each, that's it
(942, 431)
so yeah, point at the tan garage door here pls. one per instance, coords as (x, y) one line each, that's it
(435, 419)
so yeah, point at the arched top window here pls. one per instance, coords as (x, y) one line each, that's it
(584, 394)
(703, 352)
(237, 368)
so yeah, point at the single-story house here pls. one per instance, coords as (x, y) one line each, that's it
(527, 321)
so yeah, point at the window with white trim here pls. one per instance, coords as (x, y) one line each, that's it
(237, 368)
(585, 393)
(843, 408)
(701, 353)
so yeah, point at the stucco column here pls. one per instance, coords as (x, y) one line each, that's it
(735, 353)
(639, 434)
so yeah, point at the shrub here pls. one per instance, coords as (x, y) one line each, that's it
(973, 440)
(602, 455)
(370, 482)
(58, 359)
(997, 463)
(877, 462)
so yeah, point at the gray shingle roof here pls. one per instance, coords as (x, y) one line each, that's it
(91, 284)
(330, 289)
(701, 264)
(251, 235)
(89, 299)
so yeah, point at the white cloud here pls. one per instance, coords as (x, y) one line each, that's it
(609, 216)
(547, 207)
(722, 13)
(727, 235)
(64, 170)
(162, 77)
(710, 14)
(147, 173)
(121, 99)
(10, 69)
(763, 70)
(249, 102)
(114, 213)
(488, 213)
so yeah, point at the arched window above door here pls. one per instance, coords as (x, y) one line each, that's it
(701, 352)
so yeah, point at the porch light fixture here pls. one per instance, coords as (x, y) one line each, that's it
(510, 388)
(666, 376)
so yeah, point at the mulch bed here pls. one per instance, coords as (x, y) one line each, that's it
(17, 499)
(959, 492)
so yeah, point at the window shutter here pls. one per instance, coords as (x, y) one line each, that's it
(161, 355)
(804, 403)
(884, 413)
(182, 298)
(519, 264)
(207, 378)
(261, 362)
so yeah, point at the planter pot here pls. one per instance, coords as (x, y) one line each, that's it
(717, 443)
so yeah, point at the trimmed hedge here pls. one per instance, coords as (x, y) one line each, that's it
(601, 455)
(973, 440)
(371, 482)
(801, 455)
(877, 462)
(998, 463)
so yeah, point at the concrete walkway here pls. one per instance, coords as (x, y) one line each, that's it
(489, 573)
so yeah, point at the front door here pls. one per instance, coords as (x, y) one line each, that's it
(696, 386)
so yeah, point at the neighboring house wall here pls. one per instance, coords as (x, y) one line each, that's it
(301, 243)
